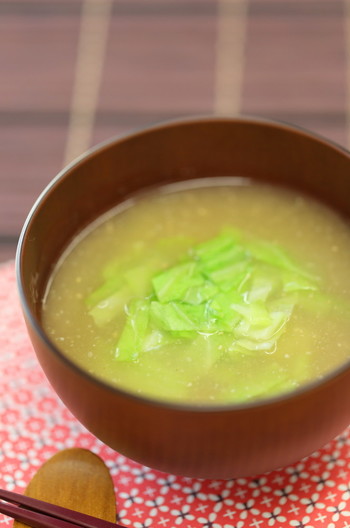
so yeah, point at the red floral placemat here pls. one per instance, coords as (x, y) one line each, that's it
(34, 425)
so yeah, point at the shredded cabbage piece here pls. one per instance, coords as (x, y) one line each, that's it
(130, 343)
(229, 296)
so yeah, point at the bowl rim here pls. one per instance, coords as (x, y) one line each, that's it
(192, 407)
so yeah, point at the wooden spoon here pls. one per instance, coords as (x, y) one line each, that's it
(76, 479)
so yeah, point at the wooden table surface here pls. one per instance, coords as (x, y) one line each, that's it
(75, 72)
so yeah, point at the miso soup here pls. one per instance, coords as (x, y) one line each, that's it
(214, 291)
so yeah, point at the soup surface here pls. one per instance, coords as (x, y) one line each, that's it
(216, 291)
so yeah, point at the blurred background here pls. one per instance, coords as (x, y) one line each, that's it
(75, 72)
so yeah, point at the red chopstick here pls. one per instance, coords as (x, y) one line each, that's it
(40, 514)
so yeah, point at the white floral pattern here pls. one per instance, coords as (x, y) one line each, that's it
(34, 425)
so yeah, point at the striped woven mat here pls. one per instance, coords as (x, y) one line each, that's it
(75, 72)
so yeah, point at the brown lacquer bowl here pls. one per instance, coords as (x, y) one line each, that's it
(199, 441)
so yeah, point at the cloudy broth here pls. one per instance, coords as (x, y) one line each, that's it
(125, 298)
